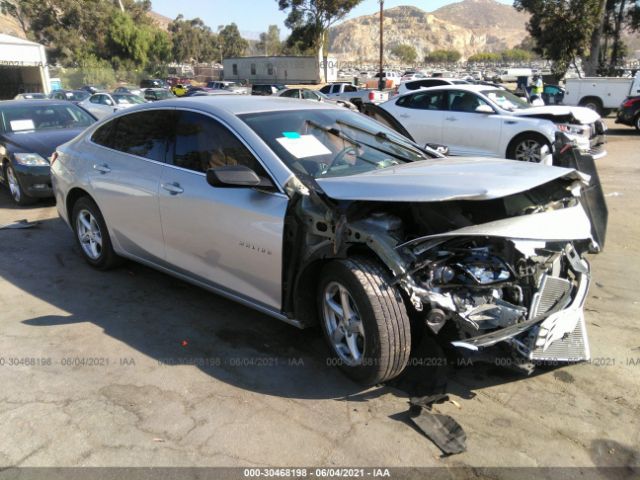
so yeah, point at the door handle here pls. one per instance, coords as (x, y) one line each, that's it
(451, 119)
(173, 188)
(104, 168)
(404, 115)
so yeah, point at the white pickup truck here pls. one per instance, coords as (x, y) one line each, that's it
(351, 93)
(601, 94)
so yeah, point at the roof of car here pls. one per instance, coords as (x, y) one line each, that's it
(39, 103)
(241, 104)
(462, 87)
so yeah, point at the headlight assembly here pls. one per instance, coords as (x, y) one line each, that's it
(574, 129)
(30, 159)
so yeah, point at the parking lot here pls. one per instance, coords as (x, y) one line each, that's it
(135, 368)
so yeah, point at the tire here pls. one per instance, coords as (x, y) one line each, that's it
(594, 104)
(636, 122)
(92, 235)
(380, 330)
(527, 147)
(16, 191)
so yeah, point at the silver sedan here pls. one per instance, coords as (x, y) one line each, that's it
(312, 214)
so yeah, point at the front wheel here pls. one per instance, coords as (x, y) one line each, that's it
(15, 189)
(364, 320)
(527, 148)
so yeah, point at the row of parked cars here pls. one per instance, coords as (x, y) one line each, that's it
(318, 215)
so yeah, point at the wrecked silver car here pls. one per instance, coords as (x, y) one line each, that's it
(318, 215)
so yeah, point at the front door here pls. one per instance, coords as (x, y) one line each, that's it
(467, 132)
(229, 238)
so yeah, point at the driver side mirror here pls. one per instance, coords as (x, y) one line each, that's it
(236, 176)
(484, 109)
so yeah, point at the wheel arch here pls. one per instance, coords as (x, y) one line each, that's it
(72, 197)
(306, 284)
(524, 134)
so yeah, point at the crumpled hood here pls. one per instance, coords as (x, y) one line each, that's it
(443, 179)
(584, 115)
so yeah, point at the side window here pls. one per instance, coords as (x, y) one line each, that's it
(104, 135)
(326, 89)
(291, 94)
(423, 100)
(105, 100)
(144, 134)
(253, 69)
(96, 99)
(309, 95)
(270, 69)
(335, 89)
(234, 68)
(350, 88)
(464, 101)
(202, 143)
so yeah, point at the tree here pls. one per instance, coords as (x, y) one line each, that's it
(231, 42)
(405, 53)
(270, 43)
(485, 57)
(313, 18)
(562, 30)
(443, 56)
(192, 41)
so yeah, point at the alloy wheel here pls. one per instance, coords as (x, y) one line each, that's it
(343, 324)
(14, 186)
(529, 151)
(89, 234)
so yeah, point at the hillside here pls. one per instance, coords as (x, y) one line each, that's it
(10, 26)
(470, 26)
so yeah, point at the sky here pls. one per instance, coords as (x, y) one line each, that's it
(254, 16)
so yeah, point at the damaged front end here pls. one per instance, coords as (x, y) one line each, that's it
(507, 271)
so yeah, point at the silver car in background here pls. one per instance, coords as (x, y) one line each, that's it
(313, 214)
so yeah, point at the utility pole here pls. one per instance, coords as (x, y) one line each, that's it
(381, 80)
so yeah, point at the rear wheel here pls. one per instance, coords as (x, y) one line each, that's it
(92, 235)
(364, 320)
(594, 104)
(527, 148)
(15, 189)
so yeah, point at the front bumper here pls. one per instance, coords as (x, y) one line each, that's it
(595, 144)
(561, 336)
(35, 181)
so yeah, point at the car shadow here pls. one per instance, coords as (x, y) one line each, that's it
(176, 323)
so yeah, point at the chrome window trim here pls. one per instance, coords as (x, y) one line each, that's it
(89, 139)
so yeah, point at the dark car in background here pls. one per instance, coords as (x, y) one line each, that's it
(70, 95)
(264, 89)
(156, 94)
(153, 83)
(629, 112)
(30, 132)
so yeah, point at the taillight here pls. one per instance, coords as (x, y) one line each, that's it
(54, 157)
(630, 102)
(372, 96)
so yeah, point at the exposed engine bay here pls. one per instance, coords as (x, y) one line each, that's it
(504, 270)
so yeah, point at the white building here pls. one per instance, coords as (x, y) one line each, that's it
(285, 69)
(23, 67)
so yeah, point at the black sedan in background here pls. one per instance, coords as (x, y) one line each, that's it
(29, 134)
(629, 112)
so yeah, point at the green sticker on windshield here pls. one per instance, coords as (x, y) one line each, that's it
(291, 135)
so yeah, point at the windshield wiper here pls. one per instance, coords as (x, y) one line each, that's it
(342, 135)
(383, 136)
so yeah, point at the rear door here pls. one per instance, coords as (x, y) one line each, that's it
(421, 114)
(228, 238)
(467, 132)
(126, 166)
